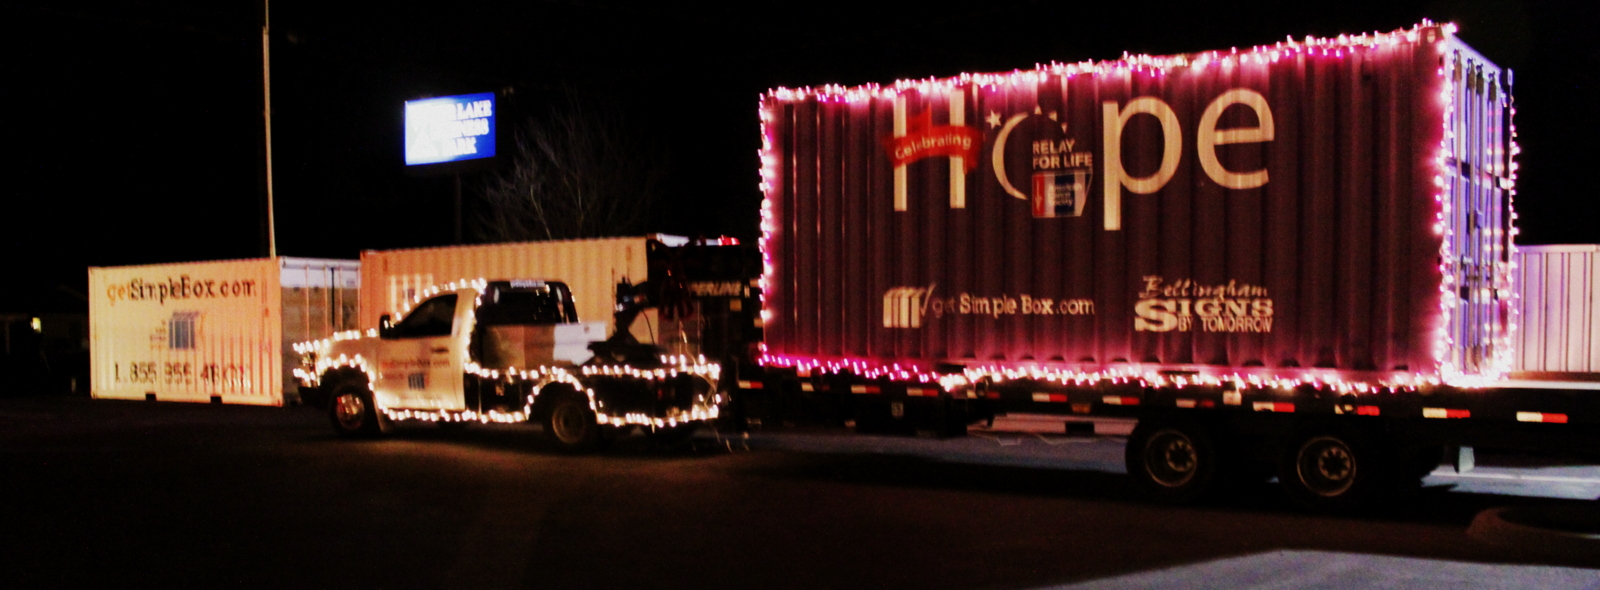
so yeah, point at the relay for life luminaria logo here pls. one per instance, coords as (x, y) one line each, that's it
(1059, 167)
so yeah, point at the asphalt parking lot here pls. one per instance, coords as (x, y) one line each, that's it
(101, 493)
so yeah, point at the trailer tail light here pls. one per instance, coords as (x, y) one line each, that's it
(1049, 397)
(922, 392)
(1120, 400)
(1445, 413)
(1357, 410)
(1284, 407)
(752, 385)
(1541, 417)
(865, 389)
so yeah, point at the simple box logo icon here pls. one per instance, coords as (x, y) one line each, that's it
(904, 307)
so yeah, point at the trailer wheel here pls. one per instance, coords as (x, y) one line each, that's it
(1331, 471)
(570, 424)
(352, 411)
(1171, 461)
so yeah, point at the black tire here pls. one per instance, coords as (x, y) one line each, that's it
(1332, 470)
(353, 413)
(569, 424)
(1172, 461)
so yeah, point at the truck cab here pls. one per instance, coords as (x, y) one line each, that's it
(503, 352)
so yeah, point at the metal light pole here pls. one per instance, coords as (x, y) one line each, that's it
(266, 111)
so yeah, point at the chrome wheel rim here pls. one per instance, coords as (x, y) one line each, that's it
(1170, 458)
(350, 410)
(568, 423)
(1326, 466)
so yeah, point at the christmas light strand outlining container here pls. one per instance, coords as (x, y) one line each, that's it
(704, 407)
(1324, 212)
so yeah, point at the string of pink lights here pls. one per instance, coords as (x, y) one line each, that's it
(1446, 353)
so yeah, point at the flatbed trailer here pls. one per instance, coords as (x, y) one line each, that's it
(1293, 259)
(1223, 434)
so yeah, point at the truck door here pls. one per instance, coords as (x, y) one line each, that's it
(421, 366)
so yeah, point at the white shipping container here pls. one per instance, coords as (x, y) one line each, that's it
(590, 268)
(212, 331)
(1559, 329)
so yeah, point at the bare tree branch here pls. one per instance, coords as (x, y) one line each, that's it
(577, 172)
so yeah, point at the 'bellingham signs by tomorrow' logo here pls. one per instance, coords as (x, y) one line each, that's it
(449, 128)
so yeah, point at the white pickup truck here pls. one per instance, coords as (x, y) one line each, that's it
(477, 351)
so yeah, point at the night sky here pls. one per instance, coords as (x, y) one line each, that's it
(136, 137)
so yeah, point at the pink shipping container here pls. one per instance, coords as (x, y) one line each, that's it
(212, 331)
(1312, 209)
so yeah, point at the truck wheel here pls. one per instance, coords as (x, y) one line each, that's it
(570, 424)
(1330, 471)
(1171, 461)
(353, 412)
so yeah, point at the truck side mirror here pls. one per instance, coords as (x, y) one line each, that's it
(385, 327)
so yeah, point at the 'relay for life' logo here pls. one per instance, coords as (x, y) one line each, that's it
(1060, 166)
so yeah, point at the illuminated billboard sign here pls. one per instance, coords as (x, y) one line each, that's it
(449, 128)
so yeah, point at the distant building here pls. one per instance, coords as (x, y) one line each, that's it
(44, 343)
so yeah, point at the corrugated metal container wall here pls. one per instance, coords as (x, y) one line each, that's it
(186, 332)
(591, 268)
(195, 331)
(1559, 330)
(320, 297)
(1265, 211)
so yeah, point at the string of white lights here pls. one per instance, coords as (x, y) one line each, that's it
(705, 406)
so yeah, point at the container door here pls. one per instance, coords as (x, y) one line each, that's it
(421, 366)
